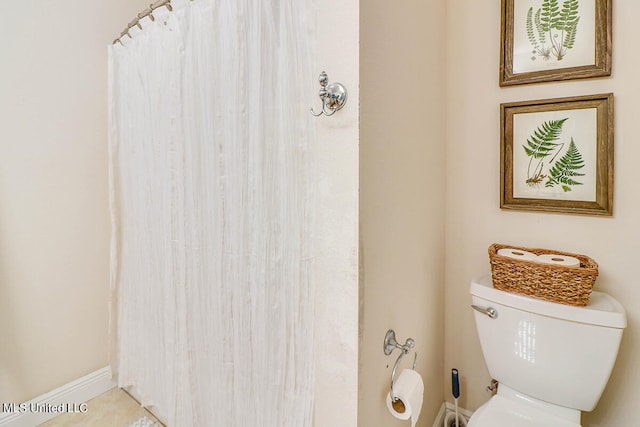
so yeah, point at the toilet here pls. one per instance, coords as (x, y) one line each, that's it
(551, 360)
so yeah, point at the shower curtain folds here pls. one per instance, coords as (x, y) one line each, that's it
(212, 197)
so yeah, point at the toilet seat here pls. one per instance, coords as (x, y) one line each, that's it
(502, 412)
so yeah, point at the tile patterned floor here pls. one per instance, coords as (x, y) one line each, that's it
(114, 408)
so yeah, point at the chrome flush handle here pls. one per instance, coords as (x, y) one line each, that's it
(489, 311)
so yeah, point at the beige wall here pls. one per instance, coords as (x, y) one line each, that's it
(54, 223)
(474, 219)
(401, 198)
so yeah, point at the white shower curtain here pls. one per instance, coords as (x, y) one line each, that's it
(211, 147)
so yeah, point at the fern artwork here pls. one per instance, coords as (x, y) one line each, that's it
(546, 166)
(552, 29)
(556, 155)
(566, 170)
(551, 35)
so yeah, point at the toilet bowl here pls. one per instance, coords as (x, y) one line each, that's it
(551, 360)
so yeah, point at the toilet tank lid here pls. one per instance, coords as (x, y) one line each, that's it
(602, 310)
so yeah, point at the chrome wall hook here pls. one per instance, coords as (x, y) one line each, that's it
(391, 344)
(332, 95)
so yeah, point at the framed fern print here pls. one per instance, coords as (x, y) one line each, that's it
(552, 40)
(556, 155)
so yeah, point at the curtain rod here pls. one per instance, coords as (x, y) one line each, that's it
(147, 12)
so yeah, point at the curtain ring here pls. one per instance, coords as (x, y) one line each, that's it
(134, 23)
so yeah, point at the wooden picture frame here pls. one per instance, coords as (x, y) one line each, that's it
(556, 155)
(543, 41)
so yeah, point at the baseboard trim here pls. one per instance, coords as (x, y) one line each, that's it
(447, 408)
(71, 397)
(450, 407)
(439, 421)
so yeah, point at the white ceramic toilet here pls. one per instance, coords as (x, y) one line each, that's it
(551, 360)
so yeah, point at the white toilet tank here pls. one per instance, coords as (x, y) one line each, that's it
(557, 353)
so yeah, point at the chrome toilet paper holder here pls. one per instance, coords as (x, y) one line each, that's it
(391, 344)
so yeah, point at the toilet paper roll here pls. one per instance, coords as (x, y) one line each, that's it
(517, 254)
(409, 389)
(557, 259)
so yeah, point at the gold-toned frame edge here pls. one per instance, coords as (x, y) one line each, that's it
(603, 206)
(603, 53)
